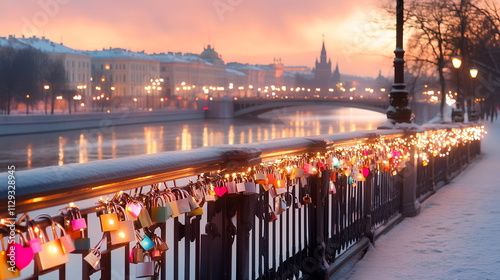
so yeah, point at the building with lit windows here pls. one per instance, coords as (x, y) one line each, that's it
(191, 75)
(125, 78)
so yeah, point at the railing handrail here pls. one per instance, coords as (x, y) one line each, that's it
(45, 187)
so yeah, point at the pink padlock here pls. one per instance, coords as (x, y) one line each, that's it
(77, 221)
(33, 240)
(79, 224)
(36, 245)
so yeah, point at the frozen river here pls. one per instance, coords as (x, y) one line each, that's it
(78, 146)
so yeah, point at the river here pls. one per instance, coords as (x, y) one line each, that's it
(78, 146)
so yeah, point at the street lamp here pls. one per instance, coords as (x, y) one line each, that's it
(398, 110)
(46, 88)
(457, 115)
(456, 61)
(473, 74)
(27, 103)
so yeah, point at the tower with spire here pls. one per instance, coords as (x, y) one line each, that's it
(323, 71)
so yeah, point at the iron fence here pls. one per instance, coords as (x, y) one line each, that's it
(297, 234)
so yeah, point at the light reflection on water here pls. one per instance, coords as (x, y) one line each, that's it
(47, 149)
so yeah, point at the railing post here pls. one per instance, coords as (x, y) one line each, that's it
(368, 208)
(318, 266)
(410, 205)
(245, 223)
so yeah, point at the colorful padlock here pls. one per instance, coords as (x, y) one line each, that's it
(125, 231)
(77, 221)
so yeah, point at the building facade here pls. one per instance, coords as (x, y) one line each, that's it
(125, 78)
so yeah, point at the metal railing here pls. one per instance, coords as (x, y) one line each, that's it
(234, 238)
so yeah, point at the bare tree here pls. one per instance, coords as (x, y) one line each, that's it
(55, 76)
(19, 76)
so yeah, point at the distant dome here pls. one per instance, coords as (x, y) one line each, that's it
(209, 53)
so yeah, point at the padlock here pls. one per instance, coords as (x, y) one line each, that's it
(146, 243)
(280, 205)
(196, 212)
(192, 203)
(183, 200)
(67, 242)
(279, 183)
(298, 172)
(125, 231)
(53, 252)
(307, 199)
(331, 188)
(333, 176)
(160, 213)
(279, 190)
(109, 220)
(171, 201)
(93, 258)
(307, 168)
(137, 254)
(272, 216)
(270, 178)
(33, 235)
(158, 249)
(7, 269)
(143, 220)
(250, 187)
(160, 244)
(134, 208)
(231, 187)
(209, 193)
(24, 253)
(156, 254)
(260, 178)
(146, 268)
(240, 187)
(321, 166)
(77, 221)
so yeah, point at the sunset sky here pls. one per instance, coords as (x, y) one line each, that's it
(247, 31)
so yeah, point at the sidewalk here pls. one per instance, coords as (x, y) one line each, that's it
(456, 235)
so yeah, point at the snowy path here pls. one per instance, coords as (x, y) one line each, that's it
(456, 235)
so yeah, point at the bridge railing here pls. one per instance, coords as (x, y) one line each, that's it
(336, 192)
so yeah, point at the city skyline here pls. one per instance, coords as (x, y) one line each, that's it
(237, 29)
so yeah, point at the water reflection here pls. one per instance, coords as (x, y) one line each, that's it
(45, 149)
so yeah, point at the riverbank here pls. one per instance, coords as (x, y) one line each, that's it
(28, 124)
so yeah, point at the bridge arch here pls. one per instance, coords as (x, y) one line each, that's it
(255, 107)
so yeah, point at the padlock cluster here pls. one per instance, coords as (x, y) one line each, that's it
(43, 240)
(133, 217)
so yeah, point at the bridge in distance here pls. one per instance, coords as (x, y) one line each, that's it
(253, 107)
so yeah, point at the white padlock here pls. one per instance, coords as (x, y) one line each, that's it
(146, 268)
(94, 258)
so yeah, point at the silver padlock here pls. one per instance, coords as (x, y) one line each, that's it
(146, 268)
(94, 258)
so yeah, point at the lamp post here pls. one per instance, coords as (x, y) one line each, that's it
(473, 74)
(27, 104)
(458, 114)
(398, 110)
(46, 88)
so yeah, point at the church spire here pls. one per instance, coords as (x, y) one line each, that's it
(323, 52)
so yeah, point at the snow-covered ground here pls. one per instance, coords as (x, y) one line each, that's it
(456, 235)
